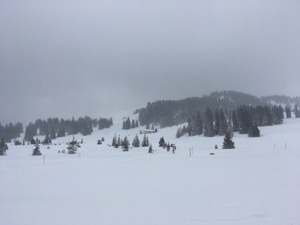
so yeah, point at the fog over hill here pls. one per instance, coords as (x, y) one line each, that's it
(98, 58)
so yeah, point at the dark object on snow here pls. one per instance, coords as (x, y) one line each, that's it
(3, 147)
(36, 150)
(228, 143)
(150, 149)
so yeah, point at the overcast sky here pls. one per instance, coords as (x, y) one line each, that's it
(64, 58)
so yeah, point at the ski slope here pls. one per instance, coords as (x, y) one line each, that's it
(256, 183)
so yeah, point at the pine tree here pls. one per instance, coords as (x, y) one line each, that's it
(209, 123)
(288, 112)
(61, 132)
(115, 142)
(198, 124)
(150, 150)
(47, 140)
(161, 142)
(145, 142)
(136, 142)
(228, 143)
(3, 147)
(223, 123)
(36, 150)
(235, 125)
(217, 122)
(125, 144)
(297, 111)
(253, 131)
(52, 133)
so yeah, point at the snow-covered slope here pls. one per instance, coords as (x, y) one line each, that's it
(256, 183)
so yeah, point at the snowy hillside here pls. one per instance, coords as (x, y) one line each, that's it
(256, 183)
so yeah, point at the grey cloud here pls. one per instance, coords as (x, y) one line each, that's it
(61, 58)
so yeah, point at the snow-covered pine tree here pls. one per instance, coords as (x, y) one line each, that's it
(145, 142)
(114, 141)
(125, 144)
(36, 150)
(161, 142)
(228, 143)
(136, 142)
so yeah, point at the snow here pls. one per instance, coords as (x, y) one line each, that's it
(256, 183)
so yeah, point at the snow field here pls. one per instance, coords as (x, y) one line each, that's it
(256, 183)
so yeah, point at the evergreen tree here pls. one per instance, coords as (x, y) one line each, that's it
(119, 141)
(209, 123)
(217, 122)
(61, 132)
(30, 132)
(179, 132)
(47, 140)
(162, 142)
(126, 124)
(277, 115)
(244, 119)
(288, 112)
(145, 142)
(133, 124)
(297, 112)
(136, 142)
(198, 124)
(115, 142)
(228, 143)
(267, 116)
(223, 127)
(150, 149)
(52, 133)
(3, 147)
(253, 131)
(36, 150)
(125, 144)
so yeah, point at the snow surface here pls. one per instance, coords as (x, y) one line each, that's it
(256, 183)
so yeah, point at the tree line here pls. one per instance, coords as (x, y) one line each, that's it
(10, 131)
(53, 127)
(170, 113)
(245, 120)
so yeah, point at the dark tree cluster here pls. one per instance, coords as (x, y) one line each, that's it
(245, 120)
(104, 123)
(212, 124)
(53, 127)
(136, 142)
(297, 111)
(130, 124)
(3, 147)
(119, 142)
(11, 131)
(170, 113)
